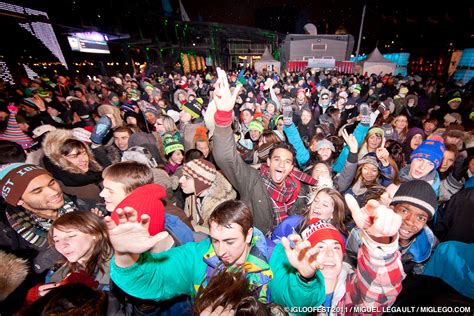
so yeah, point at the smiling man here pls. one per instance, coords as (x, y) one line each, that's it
(415, 201)
(286, 276)
(273, 190)
(34, 200)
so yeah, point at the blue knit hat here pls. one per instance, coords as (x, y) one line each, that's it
(431, 150)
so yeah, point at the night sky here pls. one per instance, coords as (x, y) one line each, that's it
(419, 27)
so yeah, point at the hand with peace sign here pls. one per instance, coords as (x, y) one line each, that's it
(382, 154)
(223, 98)
(302, 256)
(378, 220)
(351, 141)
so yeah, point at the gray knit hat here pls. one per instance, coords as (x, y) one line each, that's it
(418, 193)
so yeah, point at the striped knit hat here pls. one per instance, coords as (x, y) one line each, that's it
(13, 132)
(203, 172)
(418, 193)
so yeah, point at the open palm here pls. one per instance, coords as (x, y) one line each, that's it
(223, 98)
(302, 257)
(130, 235)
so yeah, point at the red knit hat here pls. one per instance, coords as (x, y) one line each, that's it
(319, 230)
(146, 200)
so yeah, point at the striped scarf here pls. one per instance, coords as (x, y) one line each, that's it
(284, 196)
(33, 228)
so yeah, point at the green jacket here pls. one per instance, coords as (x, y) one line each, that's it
(181, 270)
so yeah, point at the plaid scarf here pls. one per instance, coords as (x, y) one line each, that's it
(33, 228)
(284, 196)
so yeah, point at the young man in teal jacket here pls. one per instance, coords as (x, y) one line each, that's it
(286, 276)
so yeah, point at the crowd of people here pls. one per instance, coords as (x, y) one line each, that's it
(236, 193)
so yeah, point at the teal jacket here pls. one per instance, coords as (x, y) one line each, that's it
(181, 270)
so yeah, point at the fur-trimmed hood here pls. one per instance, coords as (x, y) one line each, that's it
(52, 144)
(220, 191)
(175, 97)
(13, 272)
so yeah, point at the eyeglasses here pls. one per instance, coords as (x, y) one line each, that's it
(324, 98)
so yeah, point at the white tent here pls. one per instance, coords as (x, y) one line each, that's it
(377, 64)
(267, 62)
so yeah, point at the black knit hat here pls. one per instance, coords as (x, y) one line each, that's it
(418, 193)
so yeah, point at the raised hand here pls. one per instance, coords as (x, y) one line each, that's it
(223, 98)
(302, 257)
(376, 219)
(351, 141)
(382, 154)
(131, 235)
(268, 84)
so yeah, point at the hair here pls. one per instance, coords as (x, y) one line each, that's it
(452, 148)
(283, 145)
(374, 193)
(359, 175)
(72, 144)
(168, 123)
(334, 113)
(123, 129)
(11, 152)
(395, 150)
(364, 148)
(74, 299)
(91, 224)
(131, 174)
(404, 132)
(270, 137)
(340, 215)
(230, 212)
(231, 289)
(193, 154)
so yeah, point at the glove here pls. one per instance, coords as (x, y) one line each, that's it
(365, 113)
(287, 115)
(101, 129)
(459, 168)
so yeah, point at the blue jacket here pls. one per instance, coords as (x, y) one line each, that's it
(359, 133)
(453, 262)
(294, 138)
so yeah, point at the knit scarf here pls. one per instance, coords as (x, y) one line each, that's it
(284, 195)
(33, 228)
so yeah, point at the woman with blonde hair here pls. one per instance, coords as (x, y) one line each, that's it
(400, 128)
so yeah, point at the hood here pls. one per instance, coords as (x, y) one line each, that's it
(13, 272)
(52, 144)
(175, 96)
(220, 191)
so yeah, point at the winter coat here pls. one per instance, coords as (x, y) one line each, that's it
(181, 270)
(455, 219)
(453, 262)
(74, 181)
(220, 191)
(302, 153)
(248, 181)
(175, 97)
